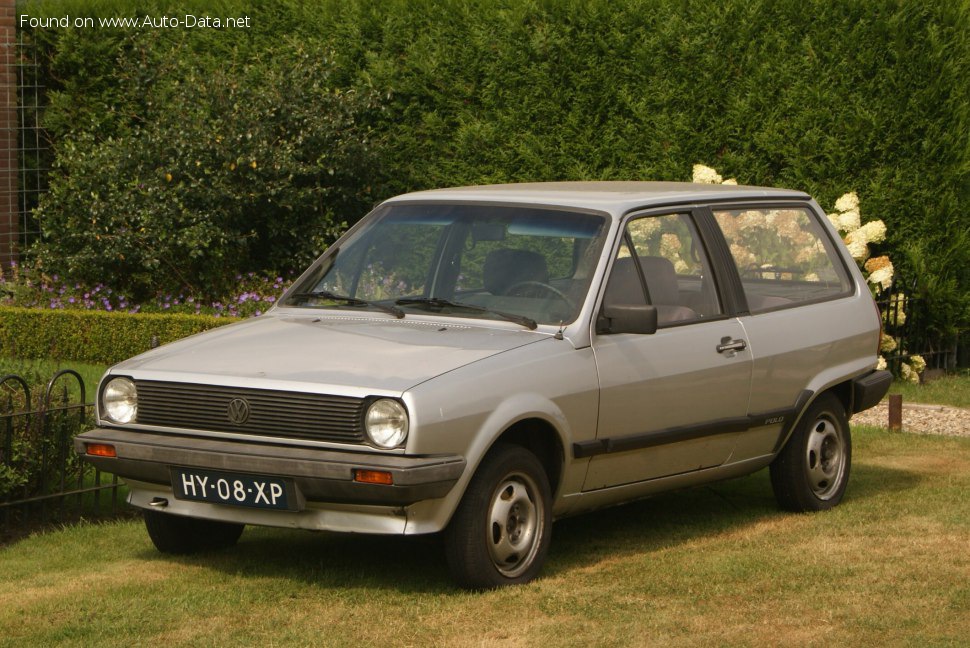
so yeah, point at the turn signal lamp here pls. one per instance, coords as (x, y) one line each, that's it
(373, 477)
(100, 450)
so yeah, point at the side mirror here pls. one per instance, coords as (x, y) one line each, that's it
(628, 318)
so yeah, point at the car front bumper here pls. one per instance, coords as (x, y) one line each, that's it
(145, 460)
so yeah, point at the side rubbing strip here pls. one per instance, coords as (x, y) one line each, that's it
(800, 404)
(595, 447)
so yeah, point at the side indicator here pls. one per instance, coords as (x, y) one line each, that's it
(100, 449)
(373, 477)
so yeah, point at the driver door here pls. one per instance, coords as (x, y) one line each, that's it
(671, 401)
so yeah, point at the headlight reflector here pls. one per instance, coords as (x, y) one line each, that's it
(386, 423)
(119, 400)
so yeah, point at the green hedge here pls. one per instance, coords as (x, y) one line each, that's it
(92, 336)
(826, 96)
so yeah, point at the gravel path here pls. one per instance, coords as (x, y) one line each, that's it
(921, 419)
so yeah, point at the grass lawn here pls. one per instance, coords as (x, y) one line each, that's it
(37, 373)
(708, 566)
(951, 390)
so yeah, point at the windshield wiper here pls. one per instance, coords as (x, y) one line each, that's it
(439, 303)
(350, 301)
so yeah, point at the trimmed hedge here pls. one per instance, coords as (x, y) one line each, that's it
(825, 96)
(93, 336)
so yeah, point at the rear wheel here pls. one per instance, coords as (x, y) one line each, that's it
(812, 470)
(176, 534)
(501, 531)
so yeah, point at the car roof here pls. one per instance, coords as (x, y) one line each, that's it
(610, 196)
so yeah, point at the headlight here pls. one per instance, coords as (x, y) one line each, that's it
(386, 423)
(119, 400)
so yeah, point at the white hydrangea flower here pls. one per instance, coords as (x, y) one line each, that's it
(835, 220)
(669, 244)
(850, 220)
(875, 231)
(847, 202)
(909, 374)
(882, 363)
(751, 219)
(887, 343)
(730, 181)
(882, 277)
(706, 175)
(918, 363)
(858, 249)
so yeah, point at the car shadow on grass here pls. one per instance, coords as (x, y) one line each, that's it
(417, 564)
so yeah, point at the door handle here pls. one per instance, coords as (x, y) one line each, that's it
(727, 344)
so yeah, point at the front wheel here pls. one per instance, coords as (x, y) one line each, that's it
(175, 534)
(501, 531)
(812, 470)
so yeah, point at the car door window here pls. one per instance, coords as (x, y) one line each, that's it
(662, 262)
(783, 256)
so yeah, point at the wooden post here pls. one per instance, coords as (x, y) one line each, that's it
(895, 412)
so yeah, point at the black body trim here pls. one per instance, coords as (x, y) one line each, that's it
(800, 404)
(594, 447)
(869, 389)
(734, 302)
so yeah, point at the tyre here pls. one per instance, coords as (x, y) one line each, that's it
(812, 470)
(500, 533)
(175, 534)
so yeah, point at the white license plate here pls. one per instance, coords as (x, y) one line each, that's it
(234, 489)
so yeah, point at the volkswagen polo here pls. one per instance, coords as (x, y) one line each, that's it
(481, 361)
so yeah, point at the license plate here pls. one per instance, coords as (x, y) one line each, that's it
(234, 489)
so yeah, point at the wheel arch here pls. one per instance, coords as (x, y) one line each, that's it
(539, 437)
(842, 392)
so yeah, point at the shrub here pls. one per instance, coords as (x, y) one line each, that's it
(92, 336)
(37, 455)
(247, 167)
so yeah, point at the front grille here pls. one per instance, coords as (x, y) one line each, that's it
(271, 413)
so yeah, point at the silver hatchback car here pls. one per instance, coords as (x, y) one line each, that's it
(480, 361)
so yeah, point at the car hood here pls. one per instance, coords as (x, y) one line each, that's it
(355, 356)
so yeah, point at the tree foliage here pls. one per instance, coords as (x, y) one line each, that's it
(221, 170)
(824, 96)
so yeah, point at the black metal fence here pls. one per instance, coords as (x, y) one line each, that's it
(41, 479)
(904, 321)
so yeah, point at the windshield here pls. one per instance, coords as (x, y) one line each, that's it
(515, 263)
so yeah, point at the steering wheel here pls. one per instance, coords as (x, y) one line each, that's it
(529, 289)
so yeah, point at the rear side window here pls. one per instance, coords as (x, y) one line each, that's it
(783, 256)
